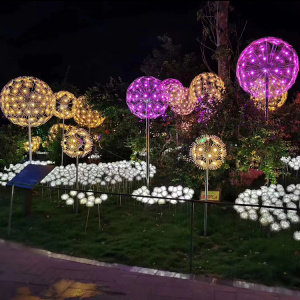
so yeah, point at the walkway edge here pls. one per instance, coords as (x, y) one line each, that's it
(141, 270)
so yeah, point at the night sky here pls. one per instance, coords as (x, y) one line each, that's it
(99, 39)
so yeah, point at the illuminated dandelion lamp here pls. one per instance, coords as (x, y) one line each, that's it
(208, 152)
(77, 143)
(63, 110)
(35, 144)
(146, 100)
(27, 101)
(207, 89)
(54, 130)
(267, 68)
(274, 102)
(84, 116)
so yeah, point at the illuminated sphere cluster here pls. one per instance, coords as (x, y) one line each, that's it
(64, 103)
(270, 58)
(84, 116)
(208, 152)
(27, 100)
(77, 142)
(35, 144)
(146, 99)
(273, 103)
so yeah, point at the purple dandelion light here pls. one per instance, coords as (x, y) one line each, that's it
(268, 67)
(146, 99)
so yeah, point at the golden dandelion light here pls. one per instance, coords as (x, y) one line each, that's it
(63, 106)
(27, 101)
(208, 152)
(207, 89)
(84, 116)
(35, 144)
(77, 143)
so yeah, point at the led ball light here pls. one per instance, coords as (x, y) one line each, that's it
(77, 143)
(146, 99)
(35, 144)
(268, 61)
(273, 104)
(27, 100)
(84, 115)
(208, 152)
(181, 103)
(64, 103)
(56, 128)
(207, 87)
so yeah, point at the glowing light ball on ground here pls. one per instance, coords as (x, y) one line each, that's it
(27, 100)
(208, 152)
(273, 103)
(84, 115)
(146, 99)
(267, 64)
(77, 143)
(64, 103)
(35, 144)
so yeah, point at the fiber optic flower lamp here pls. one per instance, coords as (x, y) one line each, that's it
(208, 153)
(63, 110)
(207, 89)
(77, 143)
(146, 100)
(178, 97)
(28, 102)
(84, 115)
(267, 65)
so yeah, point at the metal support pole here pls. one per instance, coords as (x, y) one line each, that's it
(148, 152)
(10, 209)
(205, 204)
(267, 97)
(63, 136)
(30, 146)
(77, 186)
(191, 235)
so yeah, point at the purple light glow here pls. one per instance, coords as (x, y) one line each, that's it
(146, 99)
(274, 59)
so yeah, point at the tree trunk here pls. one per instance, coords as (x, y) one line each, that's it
(223, 39)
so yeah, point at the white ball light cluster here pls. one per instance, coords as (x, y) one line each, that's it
(9, 173)
(171, 194)
(274, 195)
(85, 198)
(292, 163)
(103, 174)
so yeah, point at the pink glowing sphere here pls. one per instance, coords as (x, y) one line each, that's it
(267, 62)
(146, 99)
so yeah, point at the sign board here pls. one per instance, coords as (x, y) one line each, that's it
(30, 176)
(211, 195)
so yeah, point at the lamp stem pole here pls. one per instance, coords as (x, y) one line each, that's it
(205, 204)
(77, 186)
(266, 97)
(148, 152)
(30, 146)
(63, 137)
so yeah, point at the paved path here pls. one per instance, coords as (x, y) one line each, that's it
(30, 274)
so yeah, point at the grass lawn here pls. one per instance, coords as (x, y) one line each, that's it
(157, 237)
